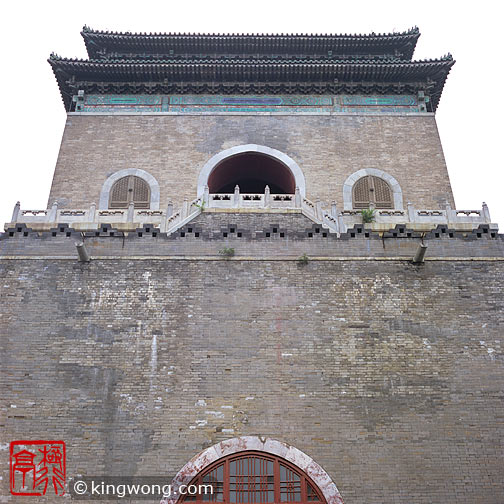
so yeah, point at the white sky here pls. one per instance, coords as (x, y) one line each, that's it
(468, 117)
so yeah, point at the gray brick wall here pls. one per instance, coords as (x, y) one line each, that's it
(175, 148)
(389, 375)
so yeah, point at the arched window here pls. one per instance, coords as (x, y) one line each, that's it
(255, 478)
(371, 190)
(130, 189)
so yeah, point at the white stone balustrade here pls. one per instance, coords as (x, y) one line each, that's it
(169, 221)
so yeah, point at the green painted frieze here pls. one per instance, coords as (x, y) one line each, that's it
(288, 104)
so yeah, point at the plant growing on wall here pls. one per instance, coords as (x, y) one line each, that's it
(227, 252)
(303, 260)
(368, 215)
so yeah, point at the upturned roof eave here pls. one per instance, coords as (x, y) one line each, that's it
(432, 72)
(226, 62)
(96, 40)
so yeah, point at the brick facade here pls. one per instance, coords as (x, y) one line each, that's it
(174, 149)
(387, 374)
(289, 326)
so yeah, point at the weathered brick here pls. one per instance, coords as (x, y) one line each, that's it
(174, 149)
(389, 375)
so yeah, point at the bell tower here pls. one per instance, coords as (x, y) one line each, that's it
(251, 273)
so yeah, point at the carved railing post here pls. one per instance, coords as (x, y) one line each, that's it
(185, 208)
(448, 210)
(131, 211)
(334, 209)
(486, 213)
(15, 212)
(166, 216)
(92, 212)
(411, 212)
(318, 209)
(53, 213)
(297, 198)
(206, 196)
(267, 196)
(341, 223)
(236, 196)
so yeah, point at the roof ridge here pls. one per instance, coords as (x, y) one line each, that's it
(411, 31)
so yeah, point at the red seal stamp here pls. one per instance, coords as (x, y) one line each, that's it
(36, 466)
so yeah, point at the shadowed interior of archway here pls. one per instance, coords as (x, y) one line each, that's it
(252, 172)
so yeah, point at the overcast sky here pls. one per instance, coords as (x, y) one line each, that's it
(468, 117)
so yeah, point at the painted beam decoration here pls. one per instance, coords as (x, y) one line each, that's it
(286, 104)
(121, 103)
(219, 103)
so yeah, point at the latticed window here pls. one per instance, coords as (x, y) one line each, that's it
(255, 478)
(129, 189)
(372, 190)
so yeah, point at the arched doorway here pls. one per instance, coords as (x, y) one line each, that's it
(255, 470)
(251, 167)
(252, 172)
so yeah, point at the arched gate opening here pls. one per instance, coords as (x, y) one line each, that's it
(254, 470)
(253, 477)
(252, 172)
